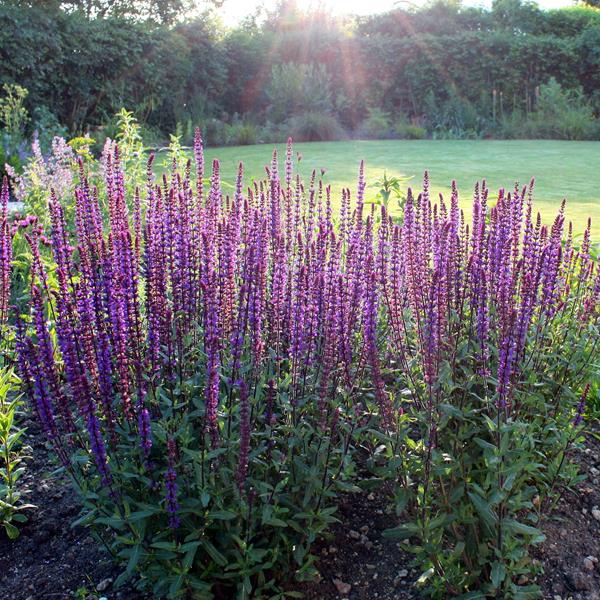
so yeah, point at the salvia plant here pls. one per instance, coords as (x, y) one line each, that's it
(212, 370)
(494, 332)
(12, 467)
(201, 390)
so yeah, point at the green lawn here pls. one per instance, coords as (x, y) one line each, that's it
(561, 169)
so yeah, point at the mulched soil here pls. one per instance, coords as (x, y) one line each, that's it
(51, 560)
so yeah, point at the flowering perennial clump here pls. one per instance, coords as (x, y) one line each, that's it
(225, 361)
(43, 174)
(6, 249)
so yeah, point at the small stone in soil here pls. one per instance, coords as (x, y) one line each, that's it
(341, 587)
(354, 534)
(596, 513)
(579, 581)
(104, 585)
(588, 563)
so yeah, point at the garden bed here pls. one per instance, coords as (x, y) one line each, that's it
(51, 559)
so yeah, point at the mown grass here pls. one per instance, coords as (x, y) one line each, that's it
(561, 168)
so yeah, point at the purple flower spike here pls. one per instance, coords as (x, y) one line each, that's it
(581, 406)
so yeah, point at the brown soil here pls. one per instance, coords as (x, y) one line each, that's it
(573, 534)
(359, 556)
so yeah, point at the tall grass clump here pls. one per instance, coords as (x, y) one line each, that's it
(212, 371)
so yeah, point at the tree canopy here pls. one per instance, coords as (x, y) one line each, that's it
(445, 65)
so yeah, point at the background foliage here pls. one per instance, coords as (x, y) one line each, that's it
(451, 70)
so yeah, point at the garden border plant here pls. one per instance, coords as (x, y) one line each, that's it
(12, 452)
(212, 370)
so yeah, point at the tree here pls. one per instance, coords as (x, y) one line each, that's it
(520, 16)
(161, 11)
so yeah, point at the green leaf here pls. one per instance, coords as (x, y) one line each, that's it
(373, 483)
(11, 531)
(141, 514)
(344, 486)
(19, 518)
(484, 510)
(85, 519)
(188, 559)
(497, 574)
(402, 532)
(484, 444)
(222, 515)
(170, 546)
(516, 527)
(214, 553)
(275, 522)
(529, 592)
(176, 585)
(134, 558)
(451, 410)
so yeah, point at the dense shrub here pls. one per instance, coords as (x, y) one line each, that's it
(212, 370)
(377, 125)
(408, 131)
(487, 63)
(454, 117)
(298, 88)
(563, 115)
(87, 69)
(558, 115)
(13, 120)
(315, 127)
(243, 134)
